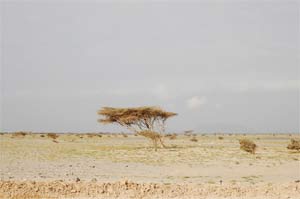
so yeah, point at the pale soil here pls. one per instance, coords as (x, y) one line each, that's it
(209, 168)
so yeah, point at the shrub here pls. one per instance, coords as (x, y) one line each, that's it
(194, 139)
(19, 134)
(52, 135)
(173, 137)
(90, 135)
(294, 145)
(248, 145)
(220, 138)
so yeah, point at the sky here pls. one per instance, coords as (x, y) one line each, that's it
(223, 66)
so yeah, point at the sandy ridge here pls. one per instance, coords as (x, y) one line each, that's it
(127, 189)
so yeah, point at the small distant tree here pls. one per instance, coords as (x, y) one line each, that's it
(145, 121)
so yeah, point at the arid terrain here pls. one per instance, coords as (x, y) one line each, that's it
(126, 166)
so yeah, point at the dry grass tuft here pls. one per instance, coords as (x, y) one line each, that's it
(294, 145)
(248, 145)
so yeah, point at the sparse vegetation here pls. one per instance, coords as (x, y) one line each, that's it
(294, 145)
(124, 135)
(145, 121)
(194, 139)
(91, 135)
(52, 135)
(173, 136)
(19, 134)
(221, 138)
(248, 145)
(188, 133)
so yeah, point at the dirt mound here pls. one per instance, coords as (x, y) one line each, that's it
(127, 189)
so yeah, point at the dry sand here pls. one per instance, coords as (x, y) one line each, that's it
(114, 166)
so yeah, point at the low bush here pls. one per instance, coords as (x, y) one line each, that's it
(294, 145)
(248, 145)
(173, 136)
(19, 134)
(52, 135)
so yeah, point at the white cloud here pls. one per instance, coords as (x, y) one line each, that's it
(196, 102)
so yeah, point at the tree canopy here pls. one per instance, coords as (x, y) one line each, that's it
(141, 117)
(148, 121)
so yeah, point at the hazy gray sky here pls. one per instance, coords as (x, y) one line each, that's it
(231, 67)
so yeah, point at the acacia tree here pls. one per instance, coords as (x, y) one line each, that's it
(145, 121)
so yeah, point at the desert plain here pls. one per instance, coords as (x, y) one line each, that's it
(107, 165)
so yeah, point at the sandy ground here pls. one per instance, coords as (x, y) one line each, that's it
(114, 166)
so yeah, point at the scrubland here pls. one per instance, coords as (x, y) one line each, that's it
(92, 165)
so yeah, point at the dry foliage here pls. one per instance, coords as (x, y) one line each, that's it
(19, 134)
(91, 135)
(173, 137)
(52, 135)
(248, 145)
(146, 121)
(294, 145)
